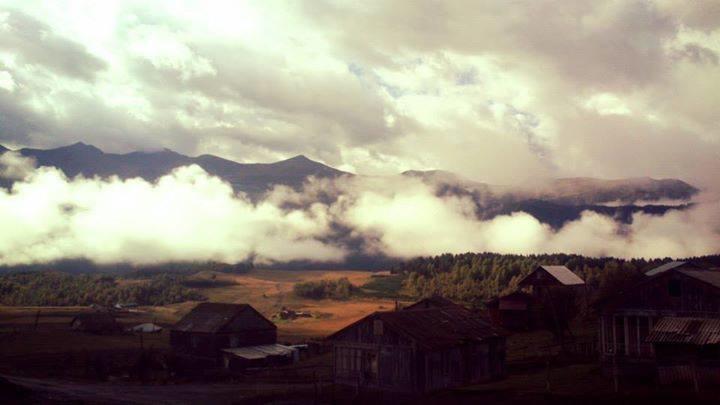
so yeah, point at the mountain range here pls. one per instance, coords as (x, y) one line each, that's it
(555, 201)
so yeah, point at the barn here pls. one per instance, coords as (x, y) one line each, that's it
(211, 327)
(418, 350)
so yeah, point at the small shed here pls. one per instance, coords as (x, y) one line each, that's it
(211, 327)
(101, 323)
(687, 350)
(511, 311)
(241, 358)
(146, 328)
(418, 350)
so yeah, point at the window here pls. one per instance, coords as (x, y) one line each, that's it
(378, 327)
(674, 289)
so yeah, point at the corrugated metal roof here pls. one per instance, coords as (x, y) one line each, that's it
(696, 331)
(665, 267)
(211, 317)
(260, 352)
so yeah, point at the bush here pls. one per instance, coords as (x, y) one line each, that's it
(340, 289)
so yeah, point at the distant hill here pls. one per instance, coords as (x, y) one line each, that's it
(252, 178)
(558, 201)
(554, 202)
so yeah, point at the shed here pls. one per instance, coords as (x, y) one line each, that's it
(210, 327)
(95, 322)
(512, 311)
(241, 358)
(687, 350)
(418, 350)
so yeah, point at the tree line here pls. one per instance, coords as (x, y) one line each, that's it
(50, 288)
(474, 278)
(340, 289)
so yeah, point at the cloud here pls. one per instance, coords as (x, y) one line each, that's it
(499, 92)
(186, 215)
(189, 215)
(35, 43)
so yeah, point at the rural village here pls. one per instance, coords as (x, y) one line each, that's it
(659, 337)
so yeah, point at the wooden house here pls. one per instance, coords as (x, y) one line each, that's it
(101, 323)
(418, 350)
(675, 290)
(687, 350)
(211, 327)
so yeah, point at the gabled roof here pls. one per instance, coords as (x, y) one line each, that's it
(710, 276)
(561, 274)
(696, 331)
(212, 317)
(669, 266)
(435, 301)
(433, 328)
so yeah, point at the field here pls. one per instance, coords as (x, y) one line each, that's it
(267, 290)
(38, 351)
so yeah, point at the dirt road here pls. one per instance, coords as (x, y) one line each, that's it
(58, 390)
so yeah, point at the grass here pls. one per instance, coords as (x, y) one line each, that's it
(389, 286)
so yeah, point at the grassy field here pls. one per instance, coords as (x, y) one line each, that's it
(266, 290)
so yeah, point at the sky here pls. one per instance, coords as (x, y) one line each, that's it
(498, 91)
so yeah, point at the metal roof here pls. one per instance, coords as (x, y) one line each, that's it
(212, 317)
(710, 276)
(261, 351)
(146, 328)
(561, 274)
(665, 267)
(695, 331)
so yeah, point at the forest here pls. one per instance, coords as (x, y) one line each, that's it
(52, 288)
(474, 278)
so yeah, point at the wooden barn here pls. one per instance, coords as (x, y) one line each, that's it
(512, 311)
(101, 323)
(687, 350)
(675, 289)
(418, 350)
(211, 327)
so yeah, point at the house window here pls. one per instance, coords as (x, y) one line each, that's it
(674, 288)
(378, 327)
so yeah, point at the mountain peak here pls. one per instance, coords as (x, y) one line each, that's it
(81, 146)
(299, 158)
